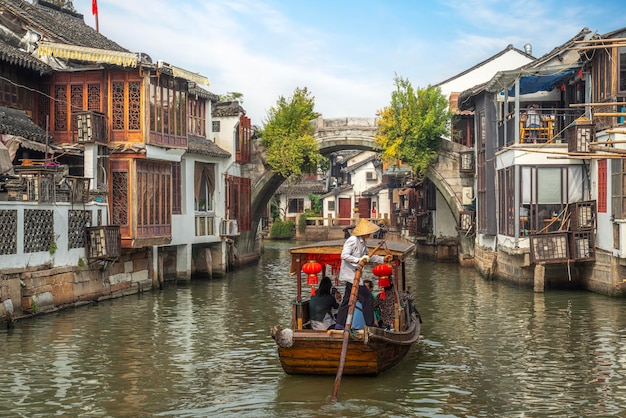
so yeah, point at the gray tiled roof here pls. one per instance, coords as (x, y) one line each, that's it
(305, 187)
(228, 109)
(56, 25)
(15, 56)
(16, 122)
(203, 146)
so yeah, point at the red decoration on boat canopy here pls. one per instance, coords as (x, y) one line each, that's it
(383, 271)
(312, 268)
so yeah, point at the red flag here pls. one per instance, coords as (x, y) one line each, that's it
(94, 7)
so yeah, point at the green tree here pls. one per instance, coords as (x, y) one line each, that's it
(411, 127)
(291, 149)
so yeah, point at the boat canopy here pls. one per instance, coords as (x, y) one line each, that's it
(329, 252)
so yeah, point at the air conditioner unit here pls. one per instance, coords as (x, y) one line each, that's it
(229, 228)
(468, 195)
(371, 175)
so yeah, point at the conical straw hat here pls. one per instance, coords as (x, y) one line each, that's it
(365, 227)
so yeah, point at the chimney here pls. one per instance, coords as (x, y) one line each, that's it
(528, 48)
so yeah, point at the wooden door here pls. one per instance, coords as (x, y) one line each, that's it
(345, 210)
(365, 207)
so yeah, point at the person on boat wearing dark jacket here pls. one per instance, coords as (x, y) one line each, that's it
(321, 304)
(354, 250)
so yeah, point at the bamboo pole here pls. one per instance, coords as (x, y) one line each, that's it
(348, 326)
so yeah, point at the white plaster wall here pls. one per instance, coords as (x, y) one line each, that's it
(508, 61)
(225, 138)
(445, 223)
(63, 255)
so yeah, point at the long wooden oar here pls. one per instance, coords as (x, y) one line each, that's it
(346, 331)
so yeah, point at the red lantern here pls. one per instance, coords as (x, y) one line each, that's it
(383, 271)
(312, 268)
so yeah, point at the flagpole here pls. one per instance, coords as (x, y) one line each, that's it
(94, 11)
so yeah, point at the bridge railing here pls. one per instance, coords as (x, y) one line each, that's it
(331, 221)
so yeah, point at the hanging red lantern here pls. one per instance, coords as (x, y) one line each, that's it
(383, 271)
(312, 269)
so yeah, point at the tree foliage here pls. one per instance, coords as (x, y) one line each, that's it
(411, 127)
(291, 149)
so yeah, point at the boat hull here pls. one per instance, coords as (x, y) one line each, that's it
(370, 352)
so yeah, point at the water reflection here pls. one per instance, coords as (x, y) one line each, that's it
(203, 349)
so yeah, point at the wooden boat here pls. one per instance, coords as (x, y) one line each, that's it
(372, 350)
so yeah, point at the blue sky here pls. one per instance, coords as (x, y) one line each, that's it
(345, 52)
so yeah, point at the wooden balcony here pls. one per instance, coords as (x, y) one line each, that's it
(89, 127)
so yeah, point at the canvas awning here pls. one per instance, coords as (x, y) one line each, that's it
(532, 80)
(52, 49)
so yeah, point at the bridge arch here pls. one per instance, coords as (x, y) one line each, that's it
(344, 134)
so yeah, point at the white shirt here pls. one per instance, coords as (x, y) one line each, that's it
(353, 249)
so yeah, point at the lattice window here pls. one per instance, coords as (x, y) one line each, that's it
(78, 220)
(93, 97)
(76, 94)
(215, 126)
(134, 105)
(60, 108)
(154, 198)
(117, 113)
(119, 197)
(8, 232)
(38, 230)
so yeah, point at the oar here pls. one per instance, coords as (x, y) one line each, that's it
(348, 326)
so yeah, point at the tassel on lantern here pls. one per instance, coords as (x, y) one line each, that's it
(312, 290)
(382, 295)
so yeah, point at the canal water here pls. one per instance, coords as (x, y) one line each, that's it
(203, 349)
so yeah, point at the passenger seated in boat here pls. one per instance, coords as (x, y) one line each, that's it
(321, 305)
(385, 305)
(354, 250)
(358, 320)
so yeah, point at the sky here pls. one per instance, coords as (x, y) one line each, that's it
(345, 52)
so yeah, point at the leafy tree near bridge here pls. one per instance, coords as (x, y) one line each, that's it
(411, 127)
(291, 149)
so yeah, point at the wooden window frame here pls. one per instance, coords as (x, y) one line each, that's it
(602, 186)
(239, 201)
(153, 188)
(176, 188)
(196, 114)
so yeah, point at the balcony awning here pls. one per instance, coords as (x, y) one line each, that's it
(81, 53)
(188, 75)
(532, 80)
(535, 83)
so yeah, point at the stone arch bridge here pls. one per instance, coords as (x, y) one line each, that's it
(357, 133)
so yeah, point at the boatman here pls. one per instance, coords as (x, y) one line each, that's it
(354, 250)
